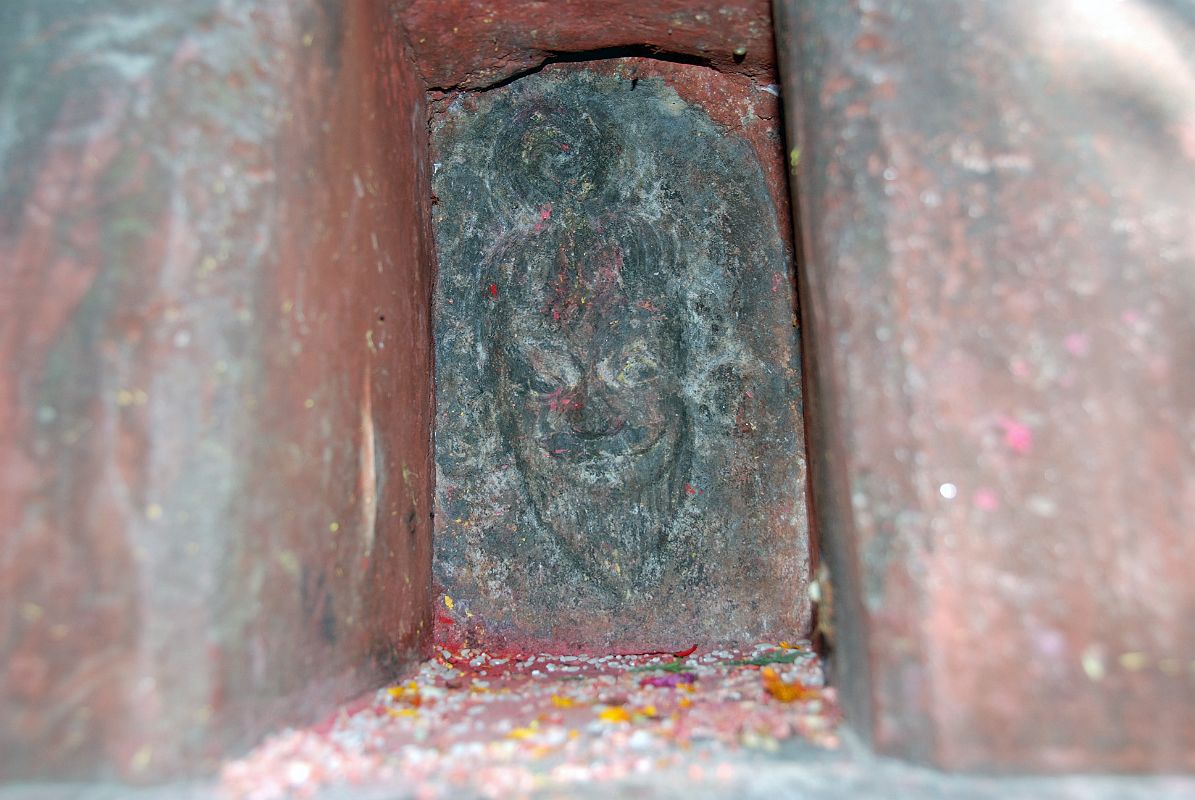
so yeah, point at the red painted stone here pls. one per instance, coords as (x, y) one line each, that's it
(215, 404)
(997, 205)
(470, 44)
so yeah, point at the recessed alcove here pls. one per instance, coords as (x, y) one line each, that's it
(301, 291)
(619, 446)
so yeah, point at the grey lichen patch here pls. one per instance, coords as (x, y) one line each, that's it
(617, 443)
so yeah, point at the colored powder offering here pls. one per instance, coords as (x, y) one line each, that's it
(774, 657)
(478, 724)
(785, 692)
(524, 732)
(616, 714)
(670, 680)
(407, 694)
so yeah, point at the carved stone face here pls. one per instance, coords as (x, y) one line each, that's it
(618, 454)
(589, 367)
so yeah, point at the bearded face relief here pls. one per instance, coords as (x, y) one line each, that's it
(618, 451)
(589, 391)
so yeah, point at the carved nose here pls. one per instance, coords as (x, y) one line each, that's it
(593, 414)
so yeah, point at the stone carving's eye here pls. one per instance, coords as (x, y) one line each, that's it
(636, 364)
(540, 369)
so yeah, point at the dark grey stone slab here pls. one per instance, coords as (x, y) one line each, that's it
(618, 433)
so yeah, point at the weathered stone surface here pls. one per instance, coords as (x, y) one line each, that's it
(998, 201)
(618, 443)
(215, 389)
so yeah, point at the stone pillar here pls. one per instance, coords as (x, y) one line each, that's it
(998, 204)
(215, 401)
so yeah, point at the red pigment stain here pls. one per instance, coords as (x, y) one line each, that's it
(690, 489)
(777, 279)
(493, 290)
(557, 400)
(1017, 436)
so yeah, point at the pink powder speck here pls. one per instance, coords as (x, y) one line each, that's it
(986, 500)
(1017, 436)
(1076, 344)
(777, 278)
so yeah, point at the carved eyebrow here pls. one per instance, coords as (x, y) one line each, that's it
(560, 364)
(524, 339)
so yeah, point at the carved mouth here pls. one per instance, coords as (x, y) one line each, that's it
(615, 442)
(611, 430)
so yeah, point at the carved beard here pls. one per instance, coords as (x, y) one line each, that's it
(615, 528)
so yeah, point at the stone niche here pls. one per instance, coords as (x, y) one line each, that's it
(619, 453)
